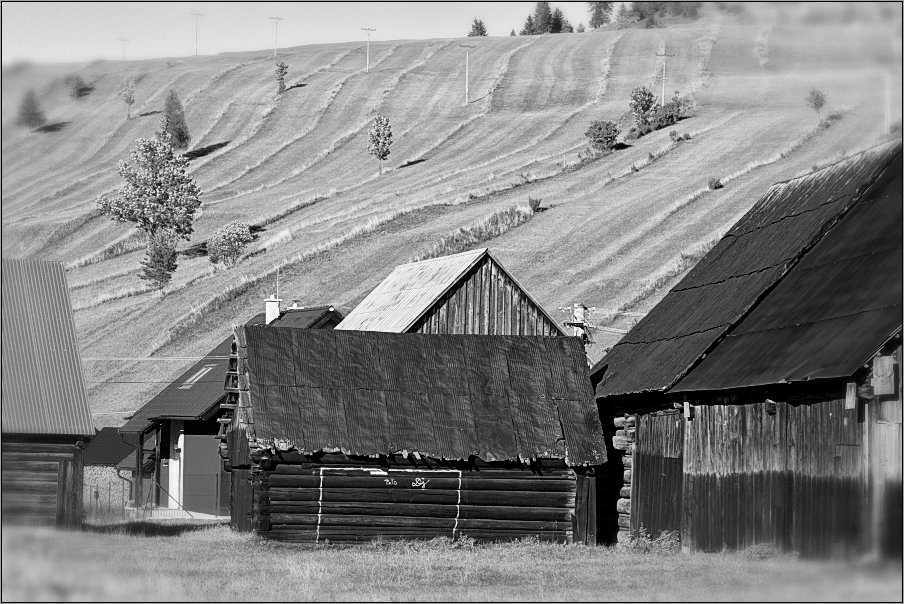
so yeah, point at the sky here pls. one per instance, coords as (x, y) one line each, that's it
(84, 31)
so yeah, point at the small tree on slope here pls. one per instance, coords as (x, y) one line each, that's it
(30, 114)
(228, 243)
(816, 100)
(600, 13)
(159, 194)
(160, 263)
(602, 135)
(281, 70)
(478, 28)
(128, 97)
(175, 116)
(380, 139)
(642, 103)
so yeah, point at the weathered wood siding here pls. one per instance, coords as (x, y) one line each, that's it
(884, 475)
(487, 302)
(775, 473)
(241, 501)
(657, 468)
(41, 483)
(358, 500)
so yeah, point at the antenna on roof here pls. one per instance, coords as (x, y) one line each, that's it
(582, 325)
(277, 282)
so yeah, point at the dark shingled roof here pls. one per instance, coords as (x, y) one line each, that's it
(772, 243)
(445, 396)
(43, 388)
(196, 393)
(109, 447)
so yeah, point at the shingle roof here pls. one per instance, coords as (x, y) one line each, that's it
(109, 447)
(829, 314)
(445, 396)
(739, 271)
(412, 289)
(197, 393)
(43, 388)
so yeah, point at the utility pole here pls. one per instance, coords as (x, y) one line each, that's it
(196, 16)
(368, 30)
(124, 41)
(664, 56)
(467, 48)
(276, 21)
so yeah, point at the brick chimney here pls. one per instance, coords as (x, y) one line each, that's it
(271, 307)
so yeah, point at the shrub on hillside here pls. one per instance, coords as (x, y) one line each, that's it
(228, 242)
(715, 183)
(281, 70)
(602, 135)
(30, 114)
(75, 85)
(641, 103)
(534, 204)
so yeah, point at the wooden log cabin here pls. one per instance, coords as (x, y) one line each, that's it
(760, 400)
(177, 431)
(46, 420)
(351, 436)
(466, 293)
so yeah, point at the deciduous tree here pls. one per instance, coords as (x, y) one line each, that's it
(602, 135)
(380, 140)
(816, 100)
(158, 194)
(128, 97)
(228, 242)
(281, 70)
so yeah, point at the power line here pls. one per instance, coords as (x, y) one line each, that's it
(153, 358)
(124, 41)
(197, 16)
(664, 56)
(368, 30)
(276, 21)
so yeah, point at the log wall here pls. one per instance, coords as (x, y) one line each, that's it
(359, 500)
(41, 482)
(487, 302)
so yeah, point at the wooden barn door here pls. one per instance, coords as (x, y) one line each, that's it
(658, 472)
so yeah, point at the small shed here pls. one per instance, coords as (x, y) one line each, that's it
(760, 400)
(466, 293)
(46, 420)
(177, 430)
(350, 435)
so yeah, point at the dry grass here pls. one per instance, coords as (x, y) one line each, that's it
(130, 242)
(471, 236)
(185, 563)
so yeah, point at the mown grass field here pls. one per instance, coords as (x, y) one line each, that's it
(215, 564)
(618, 232)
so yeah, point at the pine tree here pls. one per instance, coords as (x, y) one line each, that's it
(555, 21)
(128, 97)
(159, 264)
(600, 12)
(623, 16)
(159, 194)
(175, 117)
(542, 18)
(30, 114)
(478, 28)
(513, 33)
(281, 70)
(528, 29)
(380, 140)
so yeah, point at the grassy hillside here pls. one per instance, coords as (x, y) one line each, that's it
(618, 233)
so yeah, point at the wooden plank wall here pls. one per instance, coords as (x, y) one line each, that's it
(41, 483)
(884, 477)
(657, 470)
(241, 501)
(774, 473)
(487, 302)
(345, 503)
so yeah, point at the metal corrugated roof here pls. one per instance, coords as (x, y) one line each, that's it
(198, 391)
(43, 386)
(449, 396)
(409, 291)
(752, 257)
(829, 314)
(109, 447)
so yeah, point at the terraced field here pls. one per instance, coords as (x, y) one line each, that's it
(618, 233)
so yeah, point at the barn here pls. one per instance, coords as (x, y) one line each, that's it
(760, 400)
(353, 435)
(176, 430)
(46, 418)
(466, 293)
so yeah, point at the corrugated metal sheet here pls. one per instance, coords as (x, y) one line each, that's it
(43, 386)
(829, 314)
(408, 296)
(755, 254)
(199, 389)
(448, 396)
(109, 447)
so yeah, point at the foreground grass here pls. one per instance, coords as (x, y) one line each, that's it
(183, 563)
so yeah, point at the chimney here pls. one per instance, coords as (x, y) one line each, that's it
(271, 307)
(295, 305)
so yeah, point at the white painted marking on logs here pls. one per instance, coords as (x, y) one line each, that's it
(319, 507)
(457, 506)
